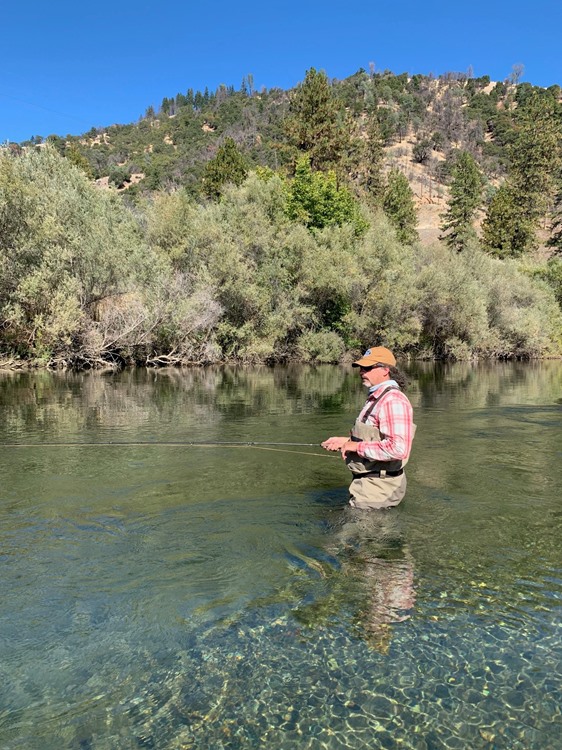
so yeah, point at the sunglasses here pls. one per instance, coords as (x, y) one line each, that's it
(371, 367)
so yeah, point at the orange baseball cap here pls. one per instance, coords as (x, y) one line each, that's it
(376, 355)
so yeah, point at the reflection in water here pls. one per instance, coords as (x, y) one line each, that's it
(361, 571)
(375, 555)
(134, 398)
(198, 399)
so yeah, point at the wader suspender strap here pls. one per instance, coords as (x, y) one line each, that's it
(375, 401)
(379, 472)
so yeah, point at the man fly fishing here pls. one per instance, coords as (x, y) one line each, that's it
(381, 439)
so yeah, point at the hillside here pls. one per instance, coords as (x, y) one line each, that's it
(241, 226)
(170, 147)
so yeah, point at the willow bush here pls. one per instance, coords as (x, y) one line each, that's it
(71, 247)
(385, 294)
(251, 255)
(86, 279)
(553, 275)
(474, 305)
(523, 313)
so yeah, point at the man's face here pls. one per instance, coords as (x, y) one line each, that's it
(371, 376)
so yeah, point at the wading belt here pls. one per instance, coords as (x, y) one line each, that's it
(378, 474)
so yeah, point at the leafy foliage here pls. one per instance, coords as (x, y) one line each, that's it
(315, 200)
(553, 276)
(422, 150)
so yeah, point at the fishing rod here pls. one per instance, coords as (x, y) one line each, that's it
(192, 443)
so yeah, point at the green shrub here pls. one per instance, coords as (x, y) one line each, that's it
(316, 200)
(321, 346)
(85, 280)
(68, 246)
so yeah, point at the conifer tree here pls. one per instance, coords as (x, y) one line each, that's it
(511, 224)
(506, 231)
(466, 192)
(398, 205)
(536, 153)
(228, 166)
(317, 122)
(374, 157)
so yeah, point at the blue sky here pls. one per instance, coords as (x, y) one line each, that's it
(67, 67)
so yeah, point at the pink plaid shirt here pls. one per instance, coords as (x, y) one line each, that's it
(393, 417)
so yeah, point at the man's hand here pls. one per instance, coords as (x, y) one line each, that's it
(350, 446)
(342, 444)
(334, 443)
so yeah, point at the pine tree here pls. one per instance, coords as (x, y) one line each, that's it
(228, 166)
(317, 122)
(506, 231)
(513, 217)
(466, 192)
(536, 155)
(374, 157)
(398, 205)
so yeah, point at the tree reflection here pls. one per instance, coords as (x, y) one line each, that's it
(63, 402)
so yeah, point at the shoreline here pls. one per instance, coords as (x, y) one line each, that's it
(13, 366)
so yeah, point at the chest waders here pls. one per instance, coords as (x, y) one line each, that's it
(376, 484)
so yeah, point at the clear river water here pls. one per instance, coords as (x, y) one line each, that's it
(168, 596)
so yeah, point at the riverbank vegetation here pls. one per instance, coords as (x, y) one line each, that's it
(295, 236)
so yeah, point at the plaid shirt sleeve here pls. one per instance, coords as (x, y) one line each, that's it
(394, 419)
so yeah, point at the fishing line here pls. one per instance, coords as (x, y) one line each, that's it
(271, 446)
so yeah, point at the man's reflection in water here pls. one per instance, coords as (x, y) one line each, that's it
(377, 562)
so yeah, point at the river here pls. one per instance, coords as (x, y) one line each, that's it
(170, 596)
